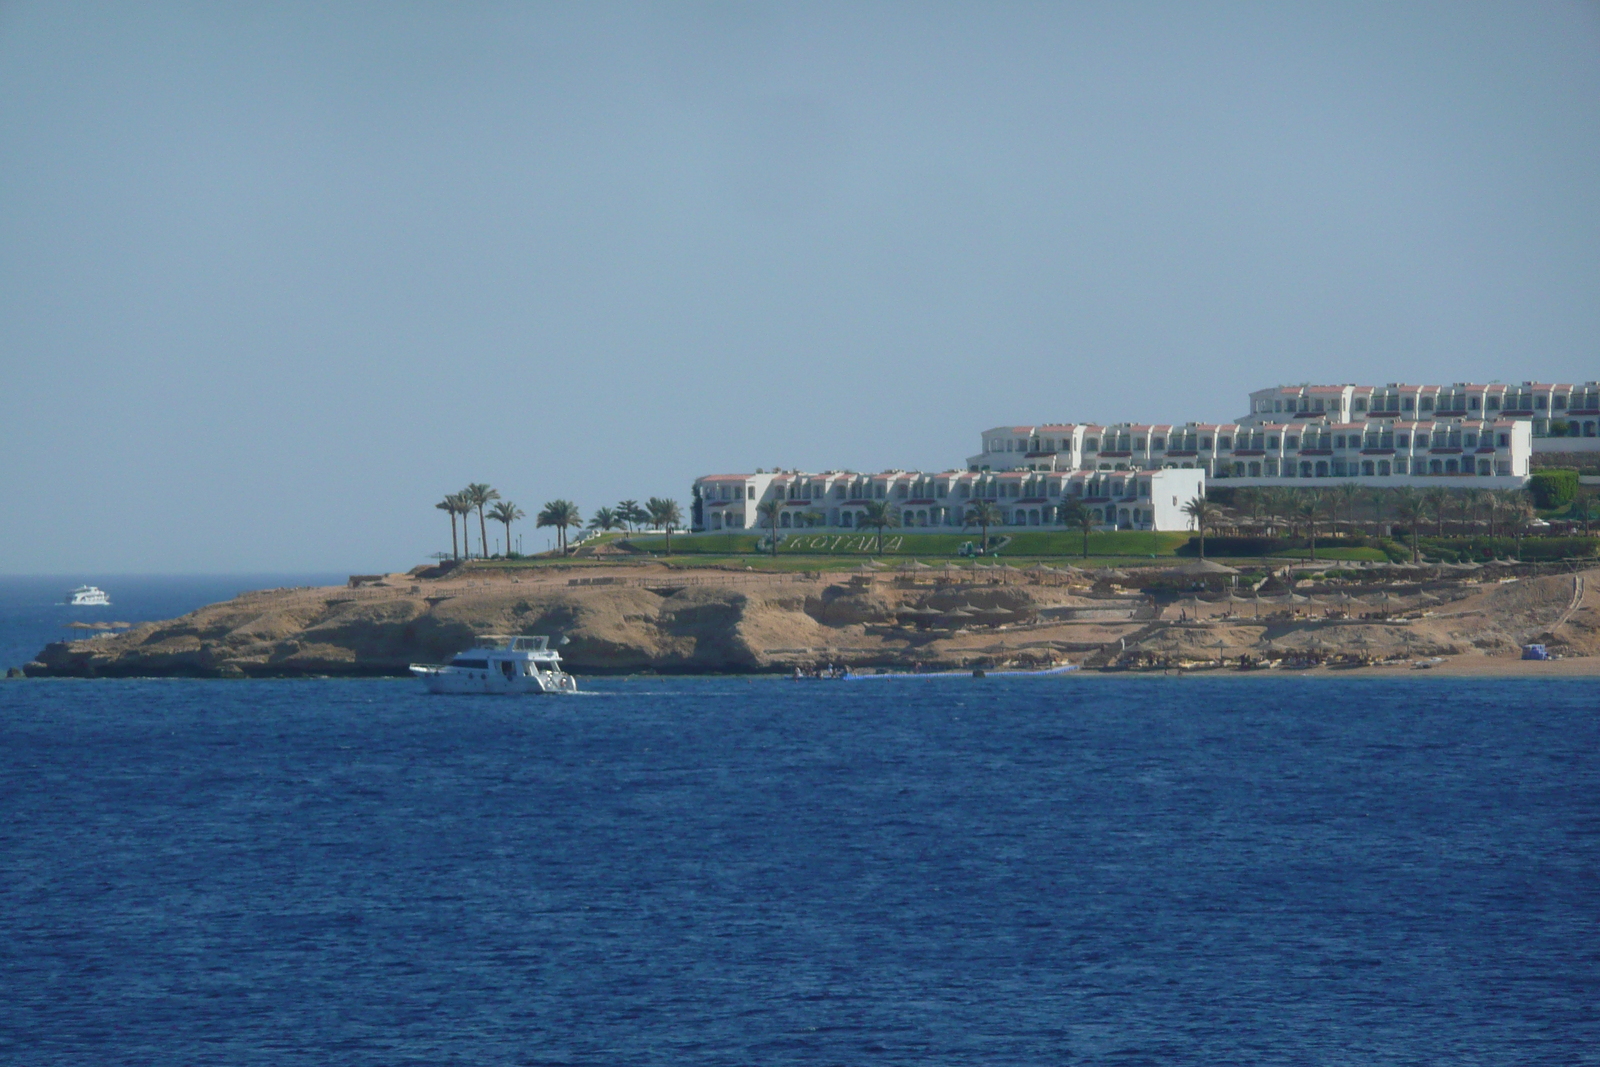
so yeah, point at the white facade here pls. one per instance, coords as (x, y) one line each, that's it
(1563, 417)
(1132, 500)
(1139, 475)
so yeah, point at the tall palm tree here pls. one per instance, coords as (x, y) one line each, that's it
(1413, 508)
(1482, 502)
(448, 504)
(1377, 498)
(1251, 499)
(664, 514)
(983, 513)
(1438, 503)
(1279, 505)
(480, 494)
(605, 520)
(1308, 509)
(464, 509)
(628, 511)
(1076, 513)
(1202, 513)
(1347, 494)
(508, 513)
(878, 514)
(770, 510)
(1519, 509)
(560, 514)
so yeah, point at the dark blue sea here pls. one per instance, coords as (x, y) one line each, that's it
(1077, 870)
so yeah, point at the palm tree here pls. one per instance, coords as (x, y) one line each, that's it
(664, 514)
(1377, 498)
(983, 513)
(480, 494)
(1203, 513)
(508, 513)
(770, 510)
(1438, 501)
(1251, 499)
(464, 509)
(1413, 509)
(605, 519)
(1076, 513)
(1347, 493)
(560, 514)
(628, 511)
(449, 504)
(1280, 504)
(1309, 509)
(878, 514)
(1519, 509)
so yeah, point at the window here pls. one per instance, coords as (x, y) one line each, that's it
(1138, 443)
(878, 491)
(1205, 442)
(1503, 440)
(1422, 440)
(1402, 440)
(1427, 403)
(1292, 441)
(1473, 403)
(1277, 405)
(1011, 446)
(1406, 404)
(1539, 403)
(1091, 444)
(1400, 465)
(1494, 403)
(1338, 442)
(1224, 442)
(1272, 442)
(1158, 443)
(1472, 440)
(1317, 406)
(1361, 404)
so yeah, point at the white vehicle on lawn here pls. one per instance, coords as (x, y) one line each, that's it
(498, 664)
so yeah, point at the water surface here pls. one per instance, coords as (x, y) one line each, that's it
(727, 871)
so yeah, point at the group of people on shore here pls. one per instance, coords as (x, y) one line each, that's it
(821, 672)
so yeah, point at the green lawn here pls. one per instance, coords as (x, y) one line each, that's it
(1038, 544)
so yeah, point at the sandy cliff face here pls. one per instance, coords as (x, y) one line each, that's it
(630, 619)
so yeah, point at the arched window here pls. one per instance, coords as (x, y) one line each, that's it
(1383, 468)
(1322, 468)
(1366, 468)
(1435, 467)
(1451, 467)
(783, 520)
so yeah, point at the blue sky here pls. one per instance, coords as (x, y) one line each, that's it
(274, 278)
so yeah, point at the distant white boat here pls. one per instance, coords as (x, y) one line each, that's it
(88, 596)
(498, 664)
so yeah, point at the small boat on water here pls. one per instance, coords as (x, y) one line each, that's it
(500, 665)
(88, 596)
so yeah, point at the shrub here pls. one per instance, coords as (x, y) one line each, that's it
(1553, 488)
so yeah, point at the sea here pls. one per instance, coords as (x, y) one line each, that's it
(753, 870)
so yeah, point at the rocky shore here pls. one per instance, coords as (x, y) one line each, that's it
(636, 617)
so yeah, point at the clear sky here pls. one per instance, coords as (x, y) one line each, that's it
(275, 277)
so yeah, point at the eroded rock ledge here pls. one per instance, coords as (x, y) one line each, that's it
(650, 618)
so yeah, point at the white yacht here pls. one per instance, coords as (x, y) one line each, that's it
(88, 596)
(499, 664)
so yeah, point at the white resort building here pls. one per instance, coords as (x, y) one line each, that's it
(1139, 475)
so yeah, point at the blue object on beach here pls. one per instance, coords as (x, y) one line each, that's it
(1535, 652)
